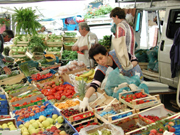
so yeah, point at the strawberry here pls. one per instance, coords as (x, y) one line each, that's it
(161, 130)
(153, 131)
(171, 129)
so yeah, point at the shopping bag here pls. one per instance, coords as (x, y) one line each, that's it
(119, 44)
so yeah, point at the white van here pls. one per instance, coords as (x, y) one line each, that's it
(150, 32)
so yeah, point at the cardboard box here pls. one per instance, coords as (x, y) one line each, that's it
(10, 132)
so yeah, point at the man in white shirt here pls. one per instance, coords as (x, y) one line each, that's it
(83, 44)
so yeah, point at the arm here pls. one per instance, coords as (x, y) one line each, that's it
(98, 78)
(75, 46)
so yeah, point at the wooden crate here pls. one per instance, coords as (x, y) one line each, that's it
(70, 39)
(154, 100)
(143, 65)
(103, 100)
(67, 47)
(106, 126)
(131, 123)
(109, 117)
(158, 110)
(21, 43)
(12, 79)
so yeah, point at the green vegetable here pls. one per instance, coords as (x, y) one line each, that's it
(106, 41)
(13, 73)
(6, 50)
(36, 44)
(24, 68)
(9, 59)
(70, 34)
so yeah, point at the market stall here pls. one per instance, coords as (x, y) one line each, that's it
(43, 94)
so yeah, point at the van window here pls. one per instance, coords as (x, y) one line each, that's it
(173, 23)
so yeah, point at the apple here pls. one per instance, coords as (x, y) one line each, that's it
(27, 124)
(32, 121)
(60, 119)
(42, 118)
(50, 120)
(54, 116)
(26, 133)
(20, 126)
(46, 123)
(35, 124)
(62, 133)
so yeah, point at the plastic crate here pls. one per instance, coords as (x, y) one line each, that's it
(3, 102)
(50, 71)
(4, 111)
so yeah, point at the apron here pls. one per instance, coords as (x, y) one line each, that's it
(84, 57)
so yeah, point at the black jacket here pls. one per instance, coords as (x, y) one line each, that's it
(2, 43)
(175, 54)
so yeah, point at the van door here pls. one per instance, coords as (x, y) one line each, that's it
(170, 25)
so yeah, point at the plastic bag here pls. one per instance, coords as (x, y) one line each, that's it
(106, 77)
(115, 130)
(113, 80)
(133, 80)
(145, 87)
(116, 94)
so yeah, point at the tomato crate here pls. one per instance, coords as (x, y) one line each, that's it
(102, 100)
(158, 111)
(130, 123)
(28, 100)
(42, 73)
(108, 114)
(141, 102)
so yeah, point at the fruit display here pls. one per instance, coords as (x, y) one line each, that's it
(67, 104)
(8, 126)
(58, 92)
(55, 125)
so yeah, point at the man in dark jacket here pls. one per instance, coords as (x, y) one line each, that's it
(5, 37)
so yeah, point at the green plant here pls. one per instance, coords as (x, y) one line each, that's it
(94, 12)
(26, 21)
(106, 41)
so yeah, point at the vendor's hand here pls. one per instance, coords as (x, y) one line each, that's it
(7, 70)
(75, 48)
(85, 47)
(84, 104)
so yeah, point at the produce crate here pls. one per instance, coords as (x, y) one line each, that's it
(4, 107)
(53, 72)
(10, 132)
(54, 44)
(21, 43)
(130, 123)
(55, 66)
(28, 100)
(67, 47)
(158, 110)
(12, 79)
(22, 90)
(86, 123)
(103, 100)
(113, 130)
(110, 117)
(153, 100)
(70, 39)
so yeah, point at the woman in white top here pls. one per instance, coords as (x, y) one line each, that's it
(83, 44)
